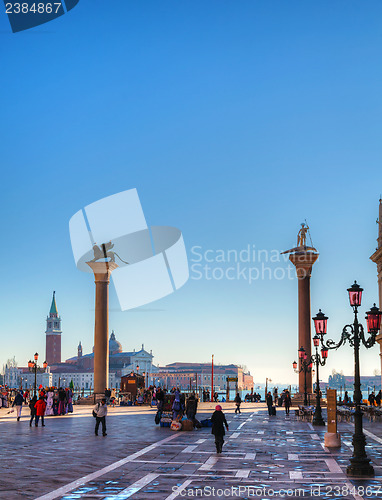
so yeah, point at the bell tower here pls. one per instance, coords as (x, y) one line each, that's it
(53, 334)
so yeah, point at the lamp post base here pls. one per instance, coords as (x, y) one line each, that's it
(360, 467)
(318, 421)
(317, 417)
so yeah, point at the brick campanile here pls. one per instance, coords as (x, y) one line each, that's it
(53, 335)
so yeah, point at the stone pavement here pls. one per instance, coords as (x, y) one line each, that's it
(263, 457)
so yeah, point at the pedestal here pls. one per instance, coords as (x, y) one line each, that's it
(332, 440)
(102, 272)
(304, 262)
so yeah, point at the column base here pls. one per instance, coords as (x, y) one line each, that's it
(98, 397)
(332, 440)
(298, 399)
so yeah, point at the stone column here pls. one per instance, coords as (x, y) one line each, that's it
(377, 258)
(102, 272)
(304, 262)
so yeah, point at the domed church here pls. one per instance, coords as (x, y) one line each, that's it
(118, 360)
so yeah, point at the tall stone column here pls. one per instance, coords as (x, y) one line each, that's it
(377, 258)
(102, 272)
(304, 262)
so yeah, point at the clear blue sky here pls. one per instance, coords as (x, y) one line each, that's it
(235, 121)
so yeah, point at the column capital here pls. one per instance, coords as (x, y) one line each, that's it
(304, 262)
(102, 270)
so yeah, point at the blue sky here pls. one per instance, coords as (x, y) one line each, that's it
(235, 121)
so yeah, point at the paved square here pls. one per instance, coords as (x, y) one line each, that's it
(263, 457)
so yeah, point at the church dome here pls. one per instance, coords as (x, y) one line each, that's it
(114, 346)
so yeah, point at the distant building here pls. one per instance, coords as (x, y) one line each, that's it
(346, 383)
(12, 374)
(78, 369)
(192, 375)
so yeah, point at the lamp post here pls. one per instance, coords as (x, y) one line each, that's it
(34, 368)
(320, 360)
(212, 379)
(306, 367)
(359, 463)
(266, 386)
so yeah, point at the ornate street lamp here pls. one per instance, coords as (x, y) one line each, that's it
(355, 335)
(306, 367)
(34, 368)
(319, 360)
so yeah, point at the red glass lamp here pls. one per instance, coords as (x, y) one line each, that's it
(355, 294)
(320, 323)
(36, 356)
(324, 353)
(373, 319)
(295, 365)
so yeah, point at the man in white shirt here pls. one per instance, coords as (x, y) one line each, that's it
(101, 411)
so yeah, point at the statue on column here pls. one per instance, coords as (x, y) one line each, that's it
(301, 241)
(301, 236)
(104, 252)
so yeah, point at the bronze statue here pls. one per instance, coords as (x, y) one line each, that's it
(301, 241)
(301, 236)
(104, 252)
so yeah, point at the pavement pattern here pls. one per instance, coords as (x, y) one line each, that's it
(263, 457)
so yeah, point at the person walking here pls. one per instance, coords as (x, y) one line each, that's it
(269, 401)
(101, 411)
(275, 395)
(176, 406)
(287, 402)
(107, 395)
(160, 399)
(191, 407)
(61, 399)
(32, 408)
(378, 398)
(371, 399)
(218, 422)
(238, 403)
(18, 402)
(40, 411)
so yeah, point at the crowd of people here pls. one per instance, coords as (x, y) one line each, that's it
(253, 397)
(374, 400)
(46, 401)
